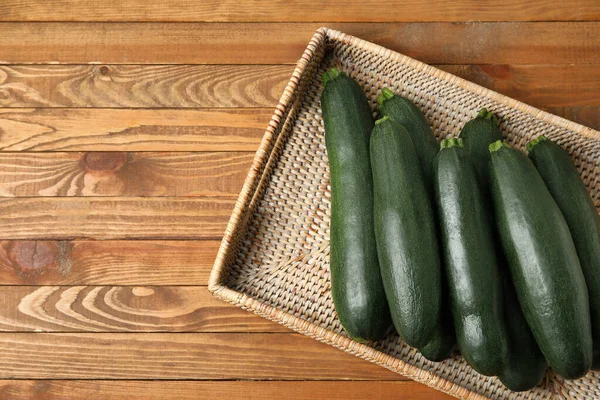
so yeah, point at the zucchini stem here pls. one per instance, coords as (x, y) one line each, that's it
(451, 142)
(484, 113)
(382, 119)
(497, 145)
(535, 141)
(386, 94)
(330, 75)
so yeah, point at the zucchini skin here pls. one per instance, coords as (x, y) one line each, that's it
(443, 342)
(356, 282)
(570, 193)
(477, 135)
(474, 280)
(406, 234)
(526, 365)
(543, 262)
(406, 113)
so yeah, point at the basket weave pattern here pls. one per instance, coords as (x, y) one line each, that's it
(274, 258)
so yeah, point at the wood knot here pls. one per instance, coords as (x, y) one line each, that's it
(33, 255)
(104, 162)
(142, 291)
(104, 70)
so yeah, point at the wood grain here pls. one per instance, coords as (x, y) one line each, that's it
(123, 174)
(537, 85)
(588, 116)
(193, 390)
(297, 11)
(123, 309)
(275, 43)
(110, 262)
(179, 356)
(144, 86)
(114, 218)
(158, 86)
(87, 129)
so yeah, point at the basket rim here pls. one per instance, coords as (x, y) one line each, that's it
(262, 156)
(463, 83)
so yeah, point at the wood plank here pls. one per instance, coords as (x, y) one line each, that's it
(123, 309)
(275, 43)
(78, 86)
(123, 174)
(539, 86)
(90, 129)
(86, 129)
(297, 11)
(114, 218)
(588, 116)
(168, 356)
(138, 86)
(193, 390)
(110, 262)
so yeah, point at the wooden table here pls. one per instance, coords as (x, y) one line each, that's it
(126, 130)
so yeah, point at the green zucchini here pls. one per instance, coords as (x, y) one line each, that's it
(543, 262)
(477, 135)
(406, 234)
(470, 260)
(356, 282)
(407, 114)
(526, 365)
(568, 190)
(443, 342)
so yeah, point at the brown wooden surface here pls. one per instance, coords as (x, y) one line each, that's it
(193, 390)
(277, 43)
(297, 10)
(120, 129)
(106, 262)
(126, 132)
(192, 86)
(124, 174)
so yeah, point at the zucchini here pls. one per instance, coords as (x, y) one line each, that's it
(443, 342)
(543, 262)
(407, 114)
(356, 282)
(470, 260)
(526, 364)
(477, 135)
(406, 234)
(568, 190)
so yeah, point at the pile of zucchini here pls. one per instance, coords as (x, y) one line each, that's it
(466, 242)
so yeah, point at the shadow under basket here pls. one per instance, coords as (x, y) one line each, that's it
(274, 258)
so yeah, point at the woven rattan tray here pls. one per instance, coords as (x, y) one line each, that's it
(274, 258)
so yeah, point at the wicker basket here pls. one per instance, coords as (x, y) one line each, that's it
(274, 258)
